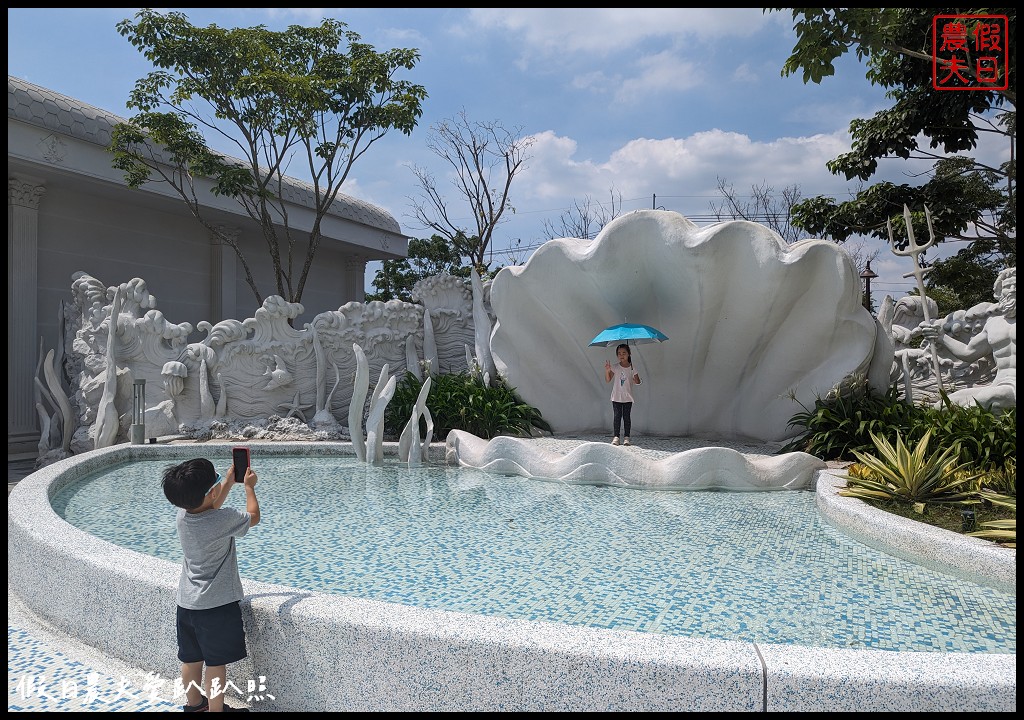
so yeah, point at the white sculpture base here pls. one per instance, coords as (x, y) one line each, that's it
(710, 468)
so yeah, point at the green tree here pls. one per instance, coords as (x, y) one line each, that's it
(969, 201)
(396, 278)
(298, 96)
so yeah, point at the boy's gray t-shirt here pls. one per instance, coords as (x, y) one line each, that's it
(209, 571)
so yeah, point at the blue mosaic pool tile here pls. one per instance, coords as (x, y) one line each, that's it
(757, 567)
(41, 679)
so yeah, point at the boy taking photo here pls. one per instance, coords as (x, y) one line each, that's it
(209, 617)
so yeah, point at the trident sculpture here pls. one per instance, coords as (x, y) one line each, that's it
(914, 250)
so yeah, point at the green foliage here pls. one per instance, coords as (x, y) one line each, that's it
(947, 300)
(397, 278)
(841, 424)
(973, 458)
(1001, 531)
(461, 401)
(985, 439)
(911, 476)
(1001, 480)
(315, 95)
(843, 421)
(968, 200)
(948, 517)
(969, 276)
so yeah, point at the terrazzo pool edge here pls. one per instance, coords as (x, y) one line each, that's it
(387, 656)
(978, 560)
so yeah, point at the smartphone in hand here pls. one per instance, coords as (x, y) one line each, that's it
(240, 459)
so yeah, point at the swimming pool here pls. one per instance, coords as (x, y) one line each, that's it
(324, 652)
(754, 567)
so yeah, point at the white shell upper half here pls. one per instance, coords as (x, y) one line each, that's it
(752, 323)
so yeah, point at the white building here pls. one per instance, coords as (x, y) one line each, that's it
(69, 210)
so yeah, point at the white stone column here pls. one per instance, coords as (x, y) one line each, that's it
(354, 287)
(223, 277)
(23, 197)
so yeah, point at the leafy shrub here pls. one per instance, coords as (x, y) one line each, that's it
(986, 438)
(983, 441)
(1002, 481)
(461, 401)
(911, 476)
(842, 423)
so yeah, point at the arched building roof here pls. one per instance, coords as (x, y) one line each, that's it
(59, 113)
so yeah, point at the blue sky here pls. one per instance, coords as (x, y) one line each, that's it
(653, 105)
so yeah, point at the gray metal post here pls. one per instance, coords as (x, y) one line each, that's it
(138, 429)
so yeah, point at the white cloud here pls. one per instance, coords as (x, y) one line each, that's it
(660, 73)
(297, 16)
(745, 74)
(682, 167)
(607, 30)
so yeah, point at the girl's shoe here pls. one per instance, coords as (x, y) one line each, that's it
(203, 706)
(626, 441)
(615, 441)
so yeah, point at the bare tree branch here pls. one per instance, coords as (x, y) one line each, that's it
(586, 219)
(485, 158)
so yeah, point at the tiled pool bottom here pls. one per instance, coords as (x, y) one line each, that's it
(754, 567)
(326, 652)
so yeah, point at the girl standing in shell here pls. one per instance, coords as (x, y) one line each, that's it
(622, 377)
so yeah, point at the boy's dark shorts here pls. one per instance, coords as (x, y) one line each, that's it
(213, 636)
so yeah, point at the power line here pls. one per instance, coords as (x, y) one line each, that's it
(645, 199)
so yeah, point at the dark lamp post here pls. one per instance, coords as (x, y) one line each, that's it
(867, 276)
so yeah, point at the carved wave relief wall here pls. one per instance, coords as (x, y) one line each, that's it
(247, 369)
(755, 326)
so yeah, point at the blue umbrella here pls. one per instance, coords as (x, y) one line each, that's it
(629, 333)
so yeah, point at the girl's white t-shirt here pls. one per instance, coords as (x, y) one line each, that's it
(622, 383)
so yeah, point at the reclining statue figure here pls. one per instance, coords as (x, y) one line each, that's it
(998, 338)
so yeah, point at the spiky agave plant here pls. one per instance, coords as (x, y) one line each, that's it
(911, 476)
(1000, 531)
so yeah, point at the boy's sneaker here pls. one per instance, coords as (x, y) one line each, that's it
(626, 441)
(203, 706)
(615, 441)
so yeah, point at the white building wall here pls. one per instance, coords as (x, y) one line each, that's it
(84, 218)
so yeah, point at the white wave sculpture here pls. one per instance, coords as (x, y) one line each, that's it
(383, 391)
(412, 448)
(429, 343)
(482, 330)
(53, 393)
(755, 326)
(360, 386)
(412, 361)
(107, 421)
(709, 468)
